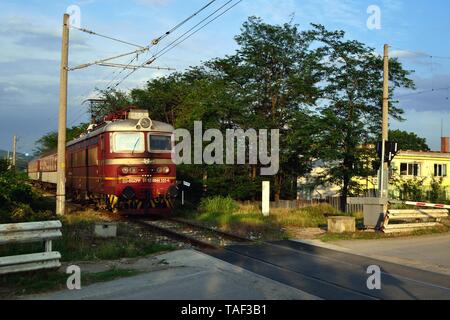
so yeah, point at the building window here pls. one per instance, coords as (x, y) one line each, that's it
(410, 169)
(440, 170)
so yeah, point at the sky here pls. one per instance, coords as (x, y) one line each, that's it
(30, 45)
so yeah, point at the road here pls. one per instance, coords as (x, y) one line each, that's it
(186, 275)
(331, 274)
(276, 270)
(430, 252)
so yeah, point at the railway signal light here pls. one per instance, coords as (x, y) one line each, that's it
(390, 151)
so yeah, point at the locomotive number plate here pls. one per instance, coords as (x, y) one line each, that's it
(160, 180)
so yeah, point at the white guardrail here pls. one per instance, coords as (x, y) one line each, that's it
(414, 219)
(29, 232)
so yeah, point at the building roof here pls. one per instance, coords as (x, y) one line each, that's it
(426, 154)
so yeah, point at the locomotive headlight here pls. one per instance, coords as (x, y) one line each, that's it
(146, 123)
(133, 170)
(164, 170)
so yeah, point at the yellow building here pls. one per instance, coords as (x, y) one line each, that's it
(423, 167)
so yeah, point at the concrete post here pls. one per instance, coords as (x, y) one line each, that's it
(62, 121)
(266, 198)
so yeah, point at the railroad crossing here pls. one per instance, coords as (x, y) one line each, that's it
(276, 270)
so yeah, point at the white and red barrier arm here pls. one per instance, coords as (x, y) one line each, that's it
(425, 204)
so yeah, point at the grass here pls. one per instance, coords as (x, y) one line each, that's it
(247, 220)
(362, 235)
(78, 242)
(44, 281)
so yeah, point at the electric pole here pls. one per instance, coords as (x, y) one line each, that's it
(13, 163)
(384, 168)
(62, 121)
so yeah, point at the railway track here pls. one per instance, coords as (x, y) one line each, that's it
(193, 233)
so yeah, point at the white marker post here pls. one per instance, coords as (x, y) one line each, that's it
(185, 184)
(266, 198)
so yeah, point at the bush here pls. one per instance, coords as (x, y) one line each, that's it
(18, 201)
(218, 205)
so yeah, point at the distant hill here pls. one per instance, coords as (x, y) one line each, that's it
(22, 159)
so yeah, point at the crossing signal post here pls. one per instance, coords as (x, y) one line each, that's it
(386, 153)
(390, 150)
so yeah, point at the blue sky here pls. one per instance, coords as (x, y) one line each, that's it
(30, 51)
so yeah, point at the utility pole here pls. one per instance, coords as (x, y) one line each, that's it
(384, 168)
(62, 121)
(13, 163)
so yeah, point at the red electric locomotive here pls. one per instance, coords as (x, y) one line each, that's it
(122, 164)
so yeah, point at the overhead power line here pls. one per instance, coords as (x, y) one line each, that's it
(421, 92)
(107, 37)
(117, 65)
(157, 40)
(146, 48)
(187, 35)
(421, 54)
(175, 43)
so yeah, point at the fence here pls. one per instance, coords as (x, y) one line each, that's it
(27, 233)
(335, 202)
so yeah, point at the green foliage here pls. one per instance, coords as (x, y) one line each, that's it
(351, 102)
(18, 201)
(410, 188)
(321, 90)
(218, 205)
(408, 140)
(44, 281)
(247, 220)
(112, 101)
(4, 166)
(49, 142)
(413, 189)
(78, 243)
(437, 193)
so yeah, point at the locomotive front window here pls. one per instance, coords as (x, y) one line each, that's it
(129, 142)
(160, 143)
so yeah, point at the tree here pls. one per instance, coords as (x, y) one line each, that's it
(113, 100)
(351, 102)
(4, 165)
(274, 78)
(323, 92)
(408, 140)
(49, 142)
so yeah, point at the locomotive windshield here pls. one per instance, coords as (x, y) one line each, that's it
(160, 143)
(129, 142)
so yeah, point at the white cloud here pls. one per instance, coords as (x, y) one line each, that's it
(426, 124)
(152, 2)
(408, 54)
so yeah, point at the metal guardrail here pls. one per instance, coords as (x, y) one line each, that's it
(29, 232)
(409, 220)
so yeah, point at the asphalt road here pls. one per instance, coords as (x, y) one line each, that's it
(182, 275)
(277, 270)
(331, 274)
(430, 252)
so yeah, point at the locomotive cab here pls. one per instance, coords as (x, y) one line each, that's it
(128, 165)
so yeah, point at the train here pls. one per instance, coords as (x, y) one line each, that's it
(122, 164)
